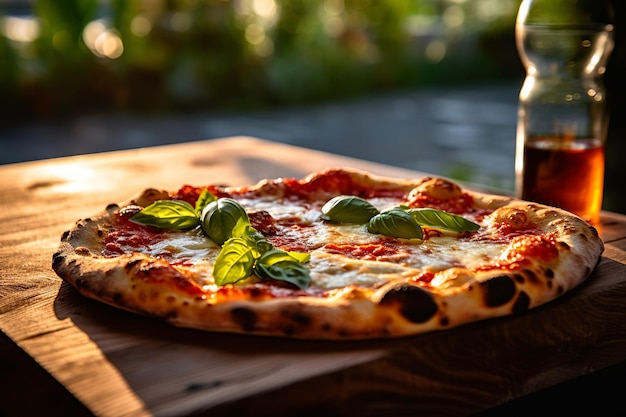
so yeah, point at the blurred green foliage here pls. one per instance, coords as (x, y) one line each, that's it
(76, 56)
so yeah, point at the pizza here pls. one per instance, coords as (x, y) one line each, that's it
(339, 254)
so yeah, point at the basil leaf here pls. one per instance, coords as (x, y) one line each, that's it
(395, 223)
(204, 199)
(300, 256)
(438, 219)
(348, 209)
(168, 214)
(255, 239)
(219, 218)
(276, 255)
(280, 265)
(234, 262)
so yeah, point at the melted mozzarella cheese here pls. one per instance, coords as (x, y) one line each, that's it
(330, 271)
(433, 255)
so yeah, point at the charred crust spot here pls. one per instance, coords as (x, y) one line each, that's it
(80, 283)
(131, 264)
(414, 303)
(498, 290)
(519, 278)
(113, 206)
(57, 258)
(244, 317)
(100, 233)
(584, 236)
(522, 303)
(564, 245)
(326, 327)
(594, 231)
(118, 298)
(65, 235)
(255, 292)
(444, 321)
(289, 331)
(549, 273)
(298, 317)
(532, 277)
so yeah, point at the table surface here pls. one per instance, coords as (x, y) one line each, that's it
(113, 363)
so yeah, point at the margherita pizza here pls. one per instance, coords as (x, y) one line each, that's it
(340, 254)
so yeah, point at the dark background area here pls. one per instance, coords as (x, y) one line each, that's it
(435, 80)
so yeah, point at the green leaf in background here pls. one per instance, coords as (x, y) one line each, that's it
(204, 199)
(437, 219)
(168, 214)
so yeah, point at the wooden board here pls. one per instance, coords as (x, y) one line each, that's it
(115, 363)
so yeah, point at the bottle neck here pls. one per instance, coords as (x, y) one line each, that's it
(564, 51)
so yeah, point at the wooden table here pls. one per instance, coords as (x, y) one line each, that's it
(62, 352)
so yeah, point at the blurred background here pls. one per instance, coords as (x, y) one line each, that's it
(430, 85)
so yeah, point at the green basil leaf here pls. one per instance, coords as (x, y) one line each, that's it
(255, 239)
(276, 255)
(234, 262)
(300, 256)
(168, 214)
(280, 265)
(220, 218)
(204, 199)
(395, 223)
(348, 209)
(438, 219)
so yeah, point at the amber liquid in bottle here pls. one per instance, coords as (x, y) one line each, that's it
(565, 173)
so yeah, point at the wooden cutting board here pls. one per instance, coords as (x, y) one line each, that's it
(115, 363)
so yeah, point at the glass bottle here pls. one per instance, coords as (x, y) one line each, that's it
(562, 117)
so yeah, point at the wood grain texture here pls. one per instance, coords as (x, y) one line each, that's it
(117, 364)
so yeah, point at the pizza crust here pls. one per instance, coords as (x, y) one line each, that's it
(151, 286)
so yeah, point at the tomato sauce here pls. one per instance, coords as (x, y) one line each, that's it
(126, 234)
(462, 205)
(336, 182)
(368, 251)
(424, 277)
(290, 243)
(190, 193)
